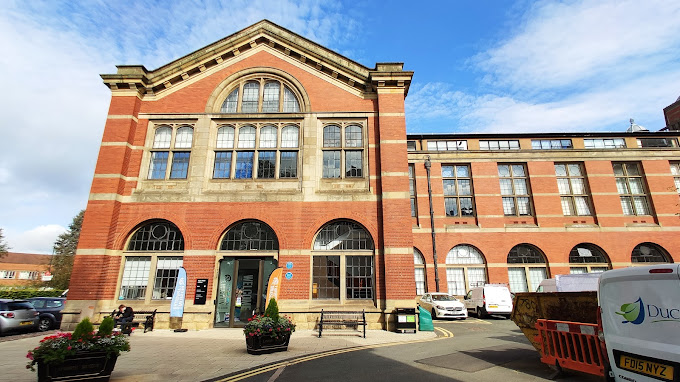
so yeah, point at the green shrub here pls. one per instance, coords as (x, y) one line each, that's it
(22, 294)
(106, 327)
(272, 310)
(83, 330)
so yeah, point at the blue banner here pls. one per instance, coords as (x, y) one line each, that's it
(177, 304)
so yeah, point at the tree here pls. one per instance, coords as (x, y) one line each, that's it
(64, 252)
(4, 248)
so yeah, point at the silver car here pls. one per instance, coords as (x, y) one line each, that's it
(17, 315)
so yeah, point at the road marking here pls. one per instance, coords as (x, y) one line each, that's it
(276, 375)
(283, 364)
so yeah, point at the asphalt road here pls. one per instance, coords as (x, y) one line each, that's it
(492, 349)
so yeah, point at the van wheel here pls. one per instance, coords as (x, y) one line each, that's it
(434, 313)
(481, 313)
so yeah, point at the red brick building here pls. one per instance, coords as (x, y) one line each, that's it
(22, 269)
(265, 149)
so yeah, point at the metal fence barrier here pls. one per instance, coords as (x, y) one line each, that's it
(570, 345)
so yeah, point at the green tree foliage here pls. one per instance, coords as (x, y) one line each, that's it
(83, 330)
(4, 248)
(272, 310)
(64, 252)
(106, 328)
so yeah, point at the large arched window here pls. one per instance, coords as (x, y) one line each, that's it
(648, 253)
(419, 266)
(465, 269)
(349, 247)
(261, 94)
(152, 239)
(588, 258)
(526, 268)
(250, 236)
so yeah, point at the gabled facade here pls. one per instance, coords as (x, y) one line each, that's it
(263, 149)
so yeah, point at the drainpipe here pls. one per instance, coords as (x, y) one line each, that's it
(428, 164)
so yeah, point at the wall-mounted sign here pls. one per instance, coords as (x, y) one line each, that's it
(201, 291)
(289, 265)
(289, 275)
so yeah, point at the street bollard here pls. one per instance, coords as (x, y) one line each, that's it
(425, 320)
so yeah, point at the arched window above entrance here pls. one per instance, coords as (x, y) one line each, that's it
(250, 236)
(465, 269)
(649, 253)
(526, 268)
(157, 236)
(343, 236)
(525, 254)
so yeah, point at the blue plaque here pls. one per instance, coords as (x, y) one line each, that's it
(289, 265)
(289, 275)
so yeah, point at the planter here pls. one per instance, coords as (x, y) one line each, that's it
(87, 366)
(265, 345)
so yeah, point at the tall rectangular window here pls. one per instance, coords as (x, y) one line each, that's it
(244, 164)
(266, 164)
(343, 145)
(675, 171)
(159, 165)
(515, 191)
(288, 164)
(458, 190)
(631, 188)
(412, 189)
(135, 277)
(326, 277)
(222, 165)
(331, 164)
(420, 281)
(573, 190)
(359, 277)
(167, 270)
(180, 165)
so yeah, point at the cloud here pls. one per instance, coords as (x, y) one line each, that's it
(566, 66)
(560, 44)
(36, 240)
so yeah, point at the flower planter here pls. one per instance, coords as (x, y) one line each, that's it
(86, 366)
(265, 344)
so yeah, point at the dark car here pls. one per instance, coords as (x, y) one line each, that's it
(17, 315)
(50, 311)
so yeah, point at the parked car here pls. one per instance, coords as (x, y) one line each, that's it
(640, 318)
(17, 315)
(443, 305)
(50, 311)
(489, 299)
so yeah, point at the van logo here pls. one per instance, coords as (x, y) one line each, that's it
(633, 312)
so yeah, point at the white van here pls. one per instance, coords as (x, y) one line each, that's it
(640, 314)
(489, 299)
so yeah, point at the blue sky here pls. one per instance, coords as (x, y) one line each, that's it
(491, 66)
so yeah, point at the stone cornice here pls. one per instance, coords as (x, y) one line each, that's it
(263, 33)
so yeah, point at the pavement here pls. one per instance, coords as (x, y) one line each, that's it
(212, 354)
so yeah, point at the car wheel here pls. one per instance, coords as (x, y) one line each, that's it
(44, 324)
(463, 318)
(481, 313)
(434, 313)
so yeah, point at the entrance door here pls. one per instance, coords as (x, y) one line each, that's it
(241, 289)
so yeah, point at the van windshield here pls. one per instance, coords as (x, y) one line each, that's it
(443, 297)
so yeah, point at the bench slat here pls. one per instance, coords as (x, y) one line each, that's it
(342, 318)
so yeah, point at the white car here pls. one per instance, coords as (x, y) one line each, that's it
(443, 305)
(489, 299)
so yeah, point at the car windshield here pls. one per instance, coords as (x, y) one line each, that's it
(443, 297)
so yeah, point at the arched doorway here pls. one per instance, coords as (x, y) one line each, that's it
(251, 255)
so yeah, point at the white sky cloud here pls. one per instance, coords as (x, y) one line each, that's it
(37, 240)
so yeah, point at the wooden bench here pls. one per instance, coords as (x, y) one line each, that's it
(148, 321)
(342, 318)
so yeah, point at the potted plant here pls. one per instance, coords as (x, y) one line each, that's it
(268, 333)
(84, 355)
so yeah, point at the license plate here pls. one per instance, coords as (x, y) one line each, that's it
(645, 367)
(26, 323)
(493, 306)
